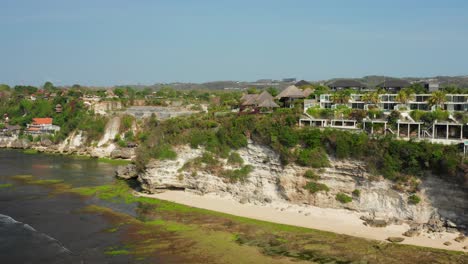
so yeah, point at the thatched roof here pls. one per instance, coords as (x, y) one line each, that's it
(307, 92)
(256, 99)
(268, 103)
(264, 96)
(291, 92)
(248, 99)
(394, 83)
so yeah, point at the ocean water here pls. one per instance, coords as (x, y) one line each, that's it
(36, 227)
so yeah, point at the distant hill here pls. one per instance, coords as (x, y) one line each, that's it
(371, 81)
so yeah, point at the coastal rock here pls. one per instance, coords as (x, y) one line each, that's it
(375, 222)
(123, 153)
(435, 225)
(395, 239)
(414, 231)
(460, 239)
(21, 144)
(126, 172)
(45, 142)
(448, 243)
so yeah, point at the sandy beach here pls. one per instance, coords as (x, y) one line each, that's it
(333, 220)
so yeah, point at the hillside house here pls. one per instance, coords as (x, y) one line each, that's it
(258, 101)
(394, 85)
(347, 84)
(42, 126)
(289, 95)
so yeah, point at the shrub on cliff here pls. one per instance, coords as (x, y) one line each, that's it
(316, 158)
(235, 159)
(310, 174)
(314, 187)
(238, 175)
(343, 198)
(414, 199)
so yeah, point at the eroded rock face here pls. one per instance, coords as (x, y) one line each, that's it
(21, 144)
(260, 187)
(126, 172)
(270, 182)
(123, 153)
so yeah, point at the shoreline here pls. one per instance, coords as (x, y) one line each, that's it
(338, 221)
(34, 150)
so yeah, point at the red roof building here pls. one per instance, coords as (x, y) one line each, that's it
(42, 121)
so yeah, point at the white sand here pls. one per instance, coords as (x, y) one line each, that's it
(334, 220)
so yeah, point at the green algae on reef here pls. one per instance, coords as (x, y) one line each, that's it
(203, 235)
(5, 185)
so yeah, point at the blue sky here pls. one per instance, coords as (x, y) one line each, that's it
(107, 42)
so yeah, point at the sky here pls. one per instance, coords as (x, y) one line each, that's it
(117, 42)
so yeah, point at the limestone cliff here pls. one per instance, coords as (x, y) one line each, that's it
(270, 182)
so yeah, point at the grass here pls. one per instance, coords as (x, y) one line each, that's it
(116, 252)
(6, 185)
(114, 161)
(30, 151)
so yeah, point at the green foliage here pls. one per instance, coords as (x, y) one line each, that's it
(287, 137)
(310, 174)
(163, 152)
(316, 158)
(235, 159)
(356, 193)
(343, 198)
(414, 199)
(393, 117)
(93, 126)
(314, 187)
(126, 122)
(239, 174)
(253, 90)
(4, 87)
(273, 91)
(310, 147)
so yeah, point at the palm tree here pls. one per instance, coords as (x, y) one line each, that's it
(437, 98)
(341, 97)
(404, 96)
(371, 98)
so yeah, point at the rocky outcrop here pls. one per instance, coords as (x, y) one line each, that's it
(123, 153)
(378, 200)
(127, 172)
(21, 144)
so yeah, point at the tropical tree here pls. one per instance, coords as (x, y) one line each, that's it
(252, 90)
(404, 96)
(48, 86)
(437, 98)
(371, 98)
(273, 91)
(341, 97)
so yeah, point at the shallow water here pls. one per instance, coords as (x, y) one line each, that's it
(36, 227)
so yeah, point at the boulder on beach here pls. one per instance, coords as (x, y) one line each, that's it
(395, 239)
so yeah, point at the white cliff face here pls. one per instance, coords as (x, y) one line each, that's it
(73, 142)
(111, 130)
(260, 186)
(269, 182)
